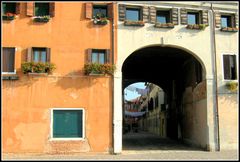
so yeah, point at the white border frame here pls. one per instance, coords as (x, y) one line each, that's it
(67, 139)
(222, 64)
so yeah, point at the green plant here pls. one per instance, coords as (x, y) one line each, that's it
(100, 19)
(97, 68)
(37, 67)
(49, 67)
(232, 86)
(27, 67)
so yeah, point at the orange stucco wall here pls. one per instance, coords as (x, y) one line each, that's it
(27, 102)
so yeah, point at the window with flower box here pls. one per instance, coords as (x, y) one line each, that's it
(100, 13)
(10, 10)
(228, 23)
(41, 11)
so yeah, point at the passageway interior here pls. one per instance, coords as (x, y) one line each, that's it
(174, 70)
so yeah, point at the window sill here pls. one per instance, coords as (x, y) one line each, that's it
(38, 74)
(67, 139)
(133, 23)
(10, 77)
(229, 29)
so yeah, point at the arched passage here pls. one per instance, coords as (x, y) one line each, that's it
(182, 76)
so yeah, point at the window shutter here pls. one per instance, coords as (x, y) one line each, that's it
(5, 60)
(121, 11)
(29, 54)
(48, 54)
(175, 16)
(30, 8)
(52, 9)
(204, 14)
(89, 8)
(17, 8)
(110, 10)
(236, 20)
(152, 11)
(108, 56)
(226, 67)
(183, 15)
(145, 14)
(217, 19)
(89, 55)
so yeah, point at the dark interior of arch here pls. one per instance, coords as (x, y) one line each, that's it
(172, 69)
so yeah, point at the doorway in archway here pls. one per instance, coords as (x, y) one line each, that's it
(181, 117)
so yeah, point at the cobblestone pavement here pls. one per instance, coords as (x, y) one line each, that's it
(139, 146)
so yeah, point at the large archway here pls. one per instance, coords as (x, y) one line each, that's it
(182, 76)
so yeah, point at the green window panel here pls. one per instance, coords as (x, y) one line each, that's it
(67, 123)
(41, 9)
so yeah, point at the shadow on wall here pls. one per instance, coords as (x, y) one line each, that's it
(75, 80)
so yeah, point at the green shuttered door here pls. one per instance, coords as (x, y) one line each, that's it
(67, 123)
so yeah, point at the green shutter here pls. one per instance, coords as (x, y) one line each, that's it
(67, 123)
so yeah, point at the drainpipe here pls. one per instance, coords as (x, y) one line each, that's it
(113, 78)
(216, 125)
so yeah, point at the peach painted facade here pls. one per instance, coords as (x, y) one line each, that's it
(28, 101)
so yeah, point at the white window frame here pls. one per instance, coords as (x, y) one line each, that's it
(67, 139)
(222, 62)
(14, 61)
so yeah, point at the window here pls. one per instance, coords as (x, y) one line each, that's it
(192, 18)
(229, 67)
(133, 14)
(68, 123)
(163, 17)
(8, 60)
(98, 56)
(39, 55)
(41, 9)
(226, 21)
(9, 7)
(100, 9)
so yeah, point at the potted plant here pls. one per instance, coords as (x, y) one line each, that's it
(164, 25)
(133, 23)
(39, 67)
(45, 18)
(99, 69)
(9, 16)
(100, 19)
(232, 86)
(196, 26)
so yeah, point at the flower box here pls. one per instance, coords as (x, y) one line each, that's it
(196, 26)
(101, 21)
(229, 29)
(37, 67)
(5, 17)
(133, 23)
(41, 18)
(166, 25)
(99, 69)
